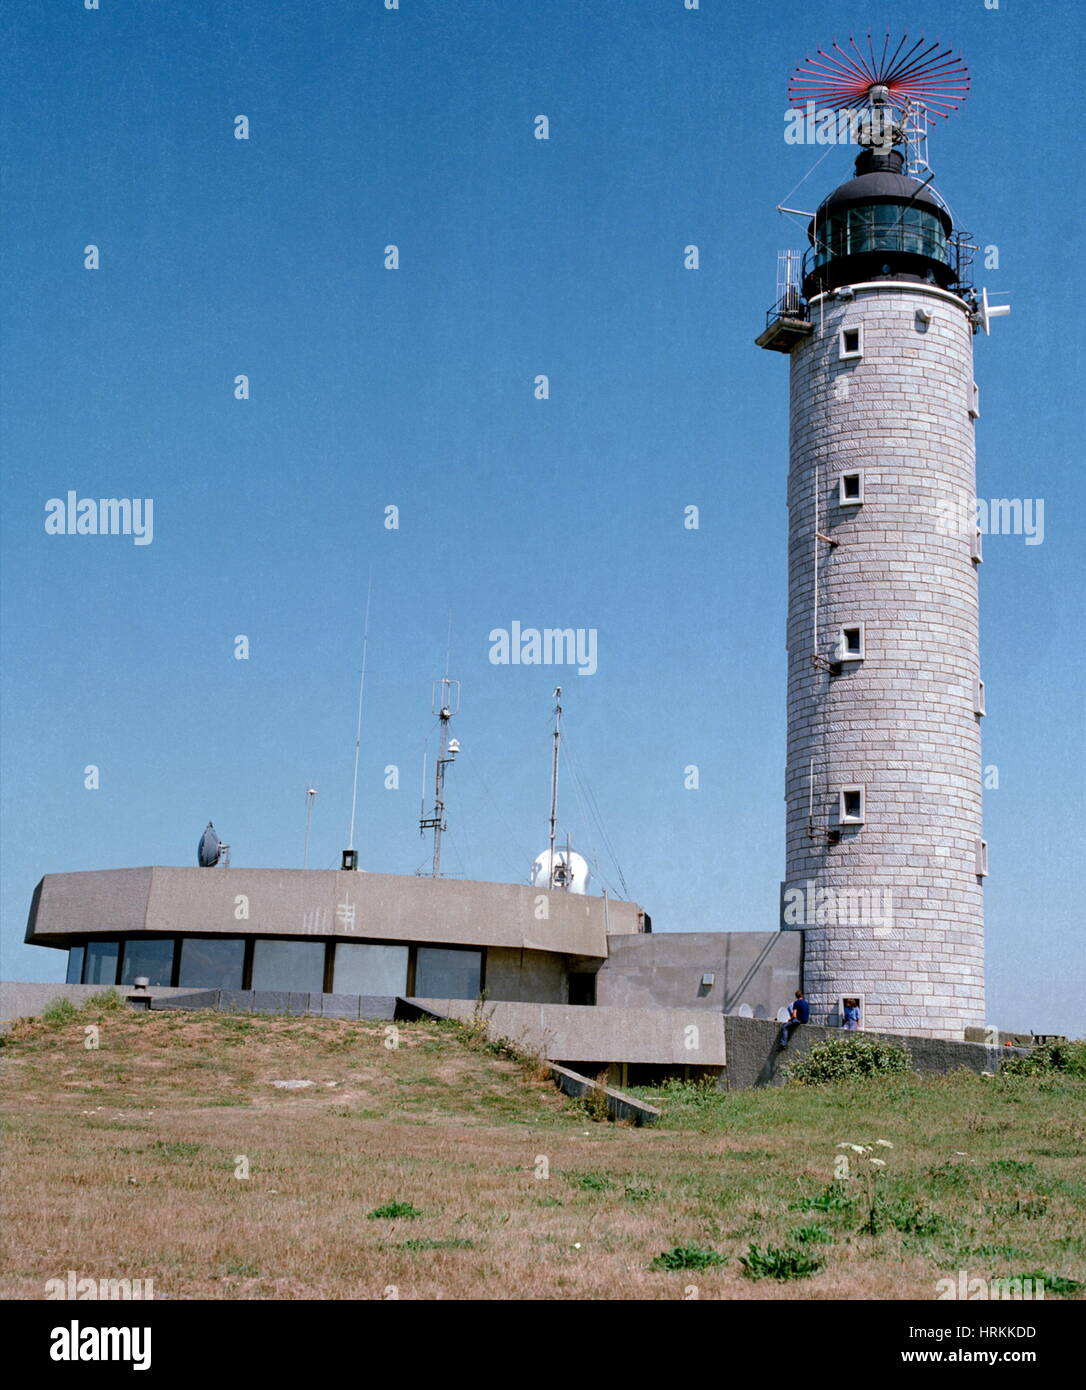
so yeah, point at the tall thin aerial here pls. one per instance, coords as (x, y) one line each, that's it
(445, 704)
(350, 854)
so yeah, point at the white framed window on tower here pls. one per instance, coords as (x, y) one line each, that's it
(978, 697)
(851, 489)
(976, 547)
(851, 807)
(974, 401)
(850, 642)
(850, 342)
(982, 858)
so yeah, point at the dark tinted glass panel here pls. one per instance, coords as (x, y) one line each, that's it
(153, 958)
(297, 965)
(366, 969)
(212, 962)
(442, 974)
(100, 967)
(883, 227)
(75, 966)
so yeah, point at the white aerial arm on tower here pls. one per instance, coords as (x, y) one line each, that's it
(987, 311)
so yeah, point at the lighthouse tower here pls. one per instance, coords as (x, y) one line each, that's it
(885, 851)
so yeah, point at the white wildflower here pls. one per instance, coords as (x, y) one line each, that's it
(884, 1143)
(876, 1162)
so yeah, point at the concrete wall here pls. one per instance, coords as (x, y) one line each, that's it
(568, 1033)
(901, 722)
(324, 903)
(531, 977)
(23, 999)
(664, 970)
(298, 1002)
(755, 1060)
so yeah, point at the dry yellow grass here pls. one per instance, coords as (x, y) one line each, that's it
(121, 1161)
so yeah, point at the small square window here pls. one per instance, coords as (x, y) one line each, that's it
(982, 858)
(851, 342)
(976, 548)
(850, 644)
(850, 1012)
(974, 402)
(851, 489)
(851, 811)
(978, 697)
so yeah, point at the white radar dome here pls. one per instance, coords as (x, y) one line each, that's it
(569, 871)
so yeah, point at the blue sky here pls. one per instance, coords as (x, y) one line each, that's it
(414, 388)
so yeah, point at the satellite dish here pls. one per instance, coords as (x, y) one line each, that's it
(209, 850)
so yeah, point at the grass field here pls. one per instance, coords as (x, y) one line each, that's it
(442, 1169)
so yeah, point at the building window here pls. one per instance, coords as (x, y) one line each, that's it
(448, 974)
(151, 957)
(851, 342)
(365, 969)
(851, 489)
(75, 966)
(978, 698)
(850, 1012)
(100, 966)
(976, 548)
(851, 810)
(974, 402)
(850, 643)
(212, 962)
(982, 858)
(288, 965)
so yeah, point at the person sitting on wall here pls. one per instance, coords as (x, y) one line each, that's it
(799, 1013)
(852, 1015)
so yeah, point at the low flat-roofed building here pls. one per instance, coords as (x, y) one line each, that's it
(328, 931)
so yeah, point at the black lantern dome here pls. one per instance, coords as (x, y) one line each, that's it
(880, 225)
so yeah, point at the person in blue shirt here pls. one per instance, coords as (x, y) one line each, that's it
(852, 1014)
(799, 1013)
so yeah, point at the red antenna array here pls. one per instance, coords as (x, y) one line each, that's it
(925, 74)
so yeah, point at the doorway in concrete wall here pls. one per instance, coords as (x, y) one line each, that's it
(582, 987)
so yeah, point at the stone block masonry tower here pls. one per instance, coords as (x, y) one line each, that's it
(885, 857)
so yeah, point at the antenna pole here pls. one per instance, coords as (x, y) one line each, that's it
(448, 703)
(440, 824)
(358, 729)
(310, 797)
(554, 773)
